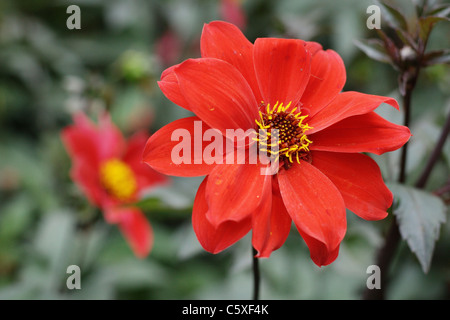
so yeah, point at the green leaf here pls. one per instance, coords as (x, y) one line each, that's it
(393, 16)
(437, 57)
(440, 11)
(391, 48)
(374, 49)
(406, 38)
(15, 217)
(419, 215)
(426, 25)
(150, 203)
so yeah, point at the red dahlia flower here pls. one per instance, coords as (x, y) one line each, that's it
(293, 86)
(110, 172)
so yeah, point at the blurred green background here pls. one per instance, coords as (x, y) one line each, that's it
(113, 62)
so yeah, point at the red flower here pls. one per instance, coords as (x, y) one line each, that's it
(290, 85)
(168, 48)
(110, 172)
(231, 11)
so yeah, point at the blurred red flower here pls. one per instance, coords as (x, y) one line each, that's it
(110, 172)
(169, 48)
(231, 11)
(293, 86)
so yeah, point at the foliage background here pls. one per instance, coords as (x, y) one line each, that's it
(47, 71)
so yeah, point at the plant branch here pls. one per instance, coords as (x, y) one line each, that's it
(393, 237)
(406, 122)
(256, 276)
(409, 62)
(443, 190)
(435, 154)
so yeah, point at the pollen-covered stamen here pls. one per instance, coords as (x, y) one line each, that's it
(291, 142)
(118, 179)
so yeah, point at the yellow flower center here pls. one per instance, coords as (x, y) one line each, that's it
(282, 134)
(118, 179)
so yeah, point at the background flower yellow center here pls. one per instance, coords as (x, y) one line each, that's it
(118, 179)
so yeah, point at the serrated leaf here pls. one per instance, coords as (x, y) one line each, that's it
(419, 216)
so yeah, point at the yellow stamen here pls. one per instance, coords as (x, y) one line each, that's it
(293, 143)
(118, 179)
(287, 106)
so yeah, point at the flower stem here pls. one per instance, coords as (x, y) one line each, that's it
(256, 276)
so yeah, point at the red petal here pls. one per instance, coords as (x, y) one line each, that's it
(218, 94)
(81, 141)
(313, 47)
(345, 105)
(87, 178)
(224, 41)
(215, 239)
(364, 133)
(359, 180)
(234, 191)
(158, 150)
(145, 176)
(93, 144)
(271, 223)
(320, 253)
(327, 79)
(136, 230)
(111, 141)
(171, 89)
(282, 69)
(317, 209)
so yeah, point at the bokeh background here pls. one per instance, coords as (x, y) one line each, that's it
(112, 63)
